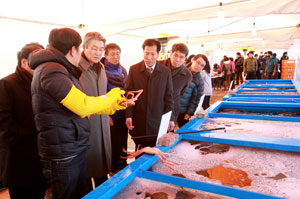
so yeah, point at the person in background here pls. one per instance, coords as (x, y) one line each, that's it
(258, 74)
(61, 111)
(250, 66)
(262, 62)
(232, 72)
(222, 60)
(94, 83)
(206, 77)
(271, 66)
(283, 57)
(21, 168)
(157, 97)
(190, 100)
(227, 70)
(217, 68)
(181, 76)
(277, 66)
(116, 76)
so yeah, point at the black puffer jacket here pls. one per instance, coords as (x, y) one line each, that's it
(61, 133)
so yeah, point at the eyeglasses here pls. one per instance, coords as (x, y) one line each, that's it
(199, 63)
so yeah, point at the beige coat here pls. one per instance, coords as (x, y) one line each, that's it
(94, 83)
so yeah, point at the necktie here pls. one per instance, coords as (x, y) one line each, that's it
(150, 70)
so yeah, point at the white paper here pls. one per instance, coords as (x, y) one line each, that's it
(199, 105)
(164, 124)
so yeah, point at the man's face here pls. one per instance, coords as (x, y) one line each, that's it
(250, 55)
(198, 65)
(94, 51)
(113, 56)
(177, 59)
(237, 56)
(150, 55)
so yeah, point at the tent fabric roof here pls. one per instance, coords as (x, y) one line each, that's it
(193, 21)
(235, 8)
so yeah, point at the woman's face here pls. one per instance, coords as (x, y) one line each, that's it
(198, 65)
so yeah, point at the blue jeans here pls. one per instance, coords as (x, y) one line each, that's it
(66, 177)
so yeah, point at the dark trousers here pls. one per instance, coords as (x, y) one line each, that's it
(119, 136)
(144, 142)
(205, 104)
(270, 75)
(35, 191)
(251, 75)
(66, 177)
(180, 119)
(238, 77)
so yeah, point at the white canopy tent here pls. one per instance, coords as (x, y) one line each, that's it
(128, 23)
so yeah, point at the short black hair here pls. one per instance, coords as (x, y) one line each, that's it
(152, 42)
(181, 47)
(270, 52)
(189, 59)
(26, 50)
(64, 39)
(110, 47)
(238, 53)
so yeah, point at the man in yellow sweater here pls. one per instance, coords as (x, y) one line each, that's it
(61, 112)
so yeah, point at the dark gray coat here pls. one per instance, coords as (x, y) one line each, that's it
(94, 83)
(156, 99)
(181, 78)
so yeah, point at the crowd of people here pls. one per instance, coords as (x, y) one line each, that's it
(63, 120)
(265, 66)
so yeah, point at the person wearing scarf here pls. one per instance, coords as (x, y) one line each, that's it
(116, 77)
(20, 164)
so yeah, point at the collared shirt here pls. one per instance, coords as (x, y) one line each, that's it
(148, 67)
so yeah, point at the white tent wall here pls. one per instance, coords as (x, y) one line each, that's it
(294, 53)
(14, 35)
(131, 50)
(17, 34)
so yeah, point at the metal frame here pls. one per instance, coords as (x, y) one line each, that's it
(256, 106)
(280, 94)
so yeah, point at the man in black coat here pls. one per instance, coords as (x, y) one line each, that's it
(239, 61)
(156, 81)
(20, 164)
(181, 75)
